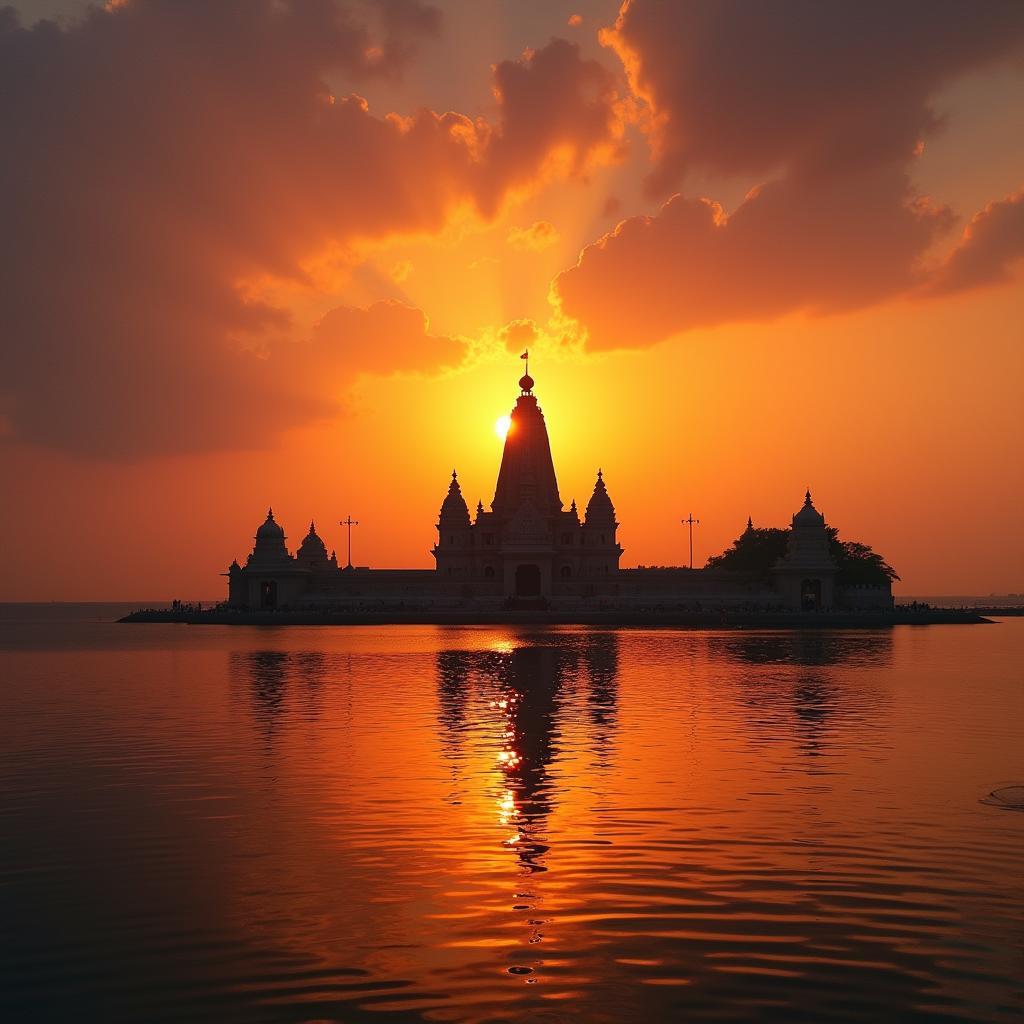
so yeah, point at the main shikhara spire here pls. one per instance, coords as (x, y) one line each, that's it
(527, 473)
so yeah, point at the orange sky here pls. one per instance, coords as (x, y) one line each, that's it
(244, 293)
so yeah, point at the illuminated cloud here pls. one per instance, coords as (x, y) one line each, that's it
(559, 114)
(539, 235)
(991, 244)
(166, 164)
(518, 335)
(387, 337)
(400, 271)
(692, 266)
(826, 105)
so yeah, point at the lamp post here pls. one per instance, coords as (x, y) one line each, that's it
(691, 523)
(349, 522)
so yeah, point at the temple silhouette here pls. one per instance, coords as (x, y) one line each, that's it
(528, 551)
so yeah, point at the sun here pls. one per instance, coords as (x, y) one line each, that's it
(502, 425)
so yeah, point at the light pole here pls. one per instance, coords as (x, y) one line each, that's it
(349, 522)
(691, 522)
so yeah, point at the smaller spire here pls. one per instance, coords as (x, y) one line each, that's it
(479, 506)
(312, 527)
(270, 513)
(454, 504)
(600, 505)
(807, 497)
(750, 522)
(572, 507)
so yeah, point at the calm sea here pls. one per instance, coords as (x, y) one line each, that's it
(479, 824)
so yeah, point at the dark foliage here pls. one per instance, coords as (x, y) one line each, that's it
(859, 563)
(753, 551)
(757, 550)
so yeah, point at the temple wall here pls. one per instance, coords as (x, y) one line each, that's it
(865, 598)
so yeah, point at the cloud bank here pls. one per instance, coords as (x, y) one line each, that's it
(164, 155)
(827, 105)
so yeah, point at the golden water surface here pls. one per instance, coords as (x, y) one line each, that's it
(499, 824)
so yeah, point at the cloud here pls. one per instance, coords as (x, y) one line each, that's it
(518, 335)
(541, 234)
(166, 159)
(385, 338)
(824, 104)
(692, 266)
(559, 112)
(991, 244)
(741, 88)
(401, 270)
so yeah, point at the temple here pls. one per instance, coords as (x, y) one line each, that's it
(529, 551)
(528, 545)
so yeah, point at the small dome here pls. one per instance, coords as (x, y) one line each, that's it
(808, 515)
(526, 382)
(454, 509)
(313, 543)
(600, 505)
(312, 551)
(270, 530)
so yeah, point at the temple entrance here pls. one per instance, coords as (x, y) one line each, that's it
(810, 595)
(268, 594)
(528, 581)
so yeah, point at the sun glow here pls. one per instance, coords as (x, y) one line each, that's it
(502, 425)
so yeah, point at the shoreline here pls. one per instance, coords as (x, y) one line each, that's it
(548, 617)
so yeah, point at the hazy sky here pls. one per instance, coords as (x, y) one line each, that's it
(287, 252)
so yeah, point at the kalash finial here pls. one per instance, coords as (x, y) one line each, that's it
(526, 381)
(807, 497)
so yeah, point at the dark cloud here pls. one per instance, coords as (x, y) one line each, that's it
(555, 106)
(828, 104)
(991, 244)
(817, 85)
(164, 155)
(786, 247)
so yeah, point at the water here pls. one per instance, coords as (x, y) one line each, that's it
(409, 824)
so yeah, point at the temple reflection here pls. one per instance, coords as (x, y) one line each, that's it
(520, 688)
(281, 684)
(808, 647)
(812, 686)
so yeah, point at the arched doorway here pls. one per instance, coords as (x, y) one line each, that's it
(527, 581)
(268, 594)
(810, 595)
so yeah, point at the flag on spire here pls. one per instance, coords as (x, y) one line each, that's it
(526, 354)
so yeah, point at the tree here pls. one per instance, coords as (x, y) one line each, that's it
(757, 550)
(754, 551)
(858, 563)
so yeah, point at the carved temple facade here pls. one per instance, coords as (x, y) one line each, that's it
(528, 550)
